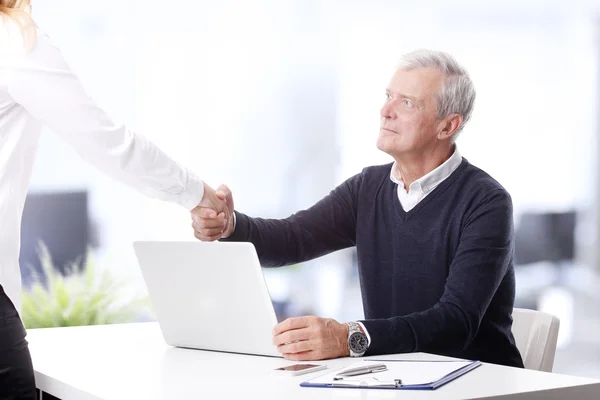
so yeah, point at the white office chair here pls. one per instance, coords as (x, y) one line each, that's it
(536, 334)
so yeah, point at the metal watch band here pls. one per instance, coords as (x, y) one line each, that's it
(353, 327)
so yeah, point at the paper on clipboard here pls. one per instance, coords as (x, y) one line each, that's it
(406, 374)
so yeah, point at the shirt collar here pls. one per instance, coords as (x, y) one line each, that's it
(430, 181)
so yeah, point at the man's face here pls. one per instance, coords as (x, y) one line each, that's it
(408, 116)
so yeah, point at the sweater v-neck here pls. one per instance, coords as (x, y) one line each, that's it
(405, 215)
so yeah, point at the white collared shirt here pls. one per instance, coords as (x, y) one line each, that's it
(420, 188)
(37, 88)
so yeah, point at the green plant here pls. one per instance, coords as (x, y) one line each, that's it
(83, 296)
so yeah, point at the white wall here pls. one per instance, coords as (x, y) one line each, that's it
(281, 99)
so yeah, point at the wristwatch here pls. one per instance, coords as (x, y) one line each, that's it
(357, 340)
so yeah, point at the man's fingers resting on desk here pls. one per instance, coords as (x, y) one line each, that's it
(291, 336)
(311, 338)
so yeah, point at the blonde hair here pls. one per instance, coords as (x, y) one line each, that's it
(20, 12)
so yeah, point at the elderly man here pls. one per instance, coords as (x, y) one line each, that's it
(434, 234)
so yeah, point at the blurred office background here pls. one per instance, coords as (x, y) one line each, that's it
(280, 100)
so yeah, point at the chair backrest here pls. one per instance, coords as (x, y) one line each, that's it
(536, 334)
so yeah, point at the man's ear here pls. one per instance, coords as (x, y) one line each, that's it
(449, 126)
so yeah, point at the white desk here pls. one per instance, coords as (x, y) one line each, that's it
(131, 361)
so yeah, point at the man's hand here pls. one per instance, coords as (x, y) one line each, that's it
(213, 223)
(311, 338)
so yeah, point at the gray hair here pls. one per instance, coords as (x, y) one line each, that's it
(457, 95)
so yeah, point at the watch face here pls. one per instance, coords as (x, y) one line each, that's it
(358, 342)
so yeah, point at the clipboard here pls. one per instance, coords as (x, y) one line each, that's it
(400, 375)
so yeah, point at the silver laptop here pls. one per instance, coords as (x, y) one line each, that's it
(209, 296)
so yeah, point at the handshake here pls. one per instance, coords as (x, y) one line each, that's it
(213, 218)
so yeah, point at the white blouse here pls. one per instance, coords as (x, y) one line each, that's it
(37, 88)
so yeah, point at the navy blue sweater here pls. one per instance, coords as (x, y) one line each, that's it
(438, 278)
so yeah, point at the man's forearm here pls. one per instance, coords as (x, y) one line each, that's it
(327, 226)
(440, 327)
(288, 241)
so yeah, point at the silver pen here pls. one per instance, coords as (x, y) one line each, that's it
(375, 383)
(366, 369)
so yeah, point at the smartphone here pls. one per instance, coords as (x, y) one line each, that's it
(299, 369)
